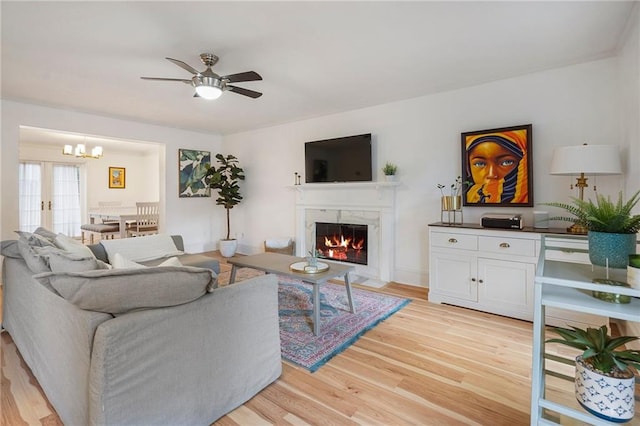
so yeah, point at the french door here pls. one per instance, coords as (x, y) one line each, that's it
(49, 196)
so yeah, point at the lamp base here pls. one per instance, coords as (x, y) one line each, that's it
(577, 228)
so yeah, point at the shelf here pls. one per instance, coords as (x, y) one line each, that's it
(581, 300)
(568, 286)
(575, 275)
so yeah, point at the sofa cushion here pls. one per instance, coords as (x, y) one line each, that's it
(117, 291)
(189, 259)
(63, 261)
(119, 262)
(142, 248)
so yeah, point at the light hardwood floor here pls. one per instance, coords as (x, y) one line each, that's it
(427, 364)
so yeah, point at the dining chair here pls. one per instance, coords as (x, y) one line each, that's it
(147, 218)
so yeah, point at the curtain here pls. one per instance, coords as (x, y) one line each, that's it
(30, 196)
(66, 200)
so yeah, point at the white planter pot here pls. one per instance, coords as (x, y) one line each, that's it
(605, 397)
(228, 247)
(390, 178)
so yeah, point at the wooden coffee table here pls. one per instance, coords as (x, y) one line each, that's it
(275, 263)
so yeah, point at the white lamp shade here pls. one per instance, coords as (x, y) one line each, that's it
(587, 159)
(208, 92)
(67, 150)
(96, 152)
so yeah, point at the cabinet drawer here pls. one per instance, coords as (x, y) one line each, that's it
(511, 246)
(457, 241)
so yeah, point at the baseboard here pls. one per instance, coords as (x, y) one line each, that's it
(412, 277)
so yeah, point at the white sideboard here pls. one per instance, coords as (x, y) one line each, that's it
(493, 270)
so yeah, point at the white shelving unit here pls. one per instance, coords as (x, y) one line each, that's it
(569, 286)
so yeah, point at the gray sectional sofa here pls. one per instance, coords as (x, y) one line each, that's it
(158, 346)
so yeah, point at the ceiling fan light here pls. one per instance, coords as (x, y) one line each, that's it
(208, 92)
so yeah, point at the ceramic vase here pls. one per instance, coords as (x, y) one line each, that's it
(228, 247)
(615, 248)
(608, 398)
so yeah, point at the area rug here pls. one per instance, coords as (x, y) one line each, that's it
(339, 328)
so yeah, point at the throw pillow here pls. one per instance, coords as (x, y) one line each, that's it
(35, 262)
(61, 261)
(72, 245)
(9, 248)
(117, 291)
(140, 249)
(49, 235)
(35, 240)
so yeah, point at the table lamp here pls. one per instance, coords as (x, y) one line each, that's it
(584, 160)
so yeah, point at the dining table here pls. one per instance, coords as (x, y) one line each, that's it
(120, 214)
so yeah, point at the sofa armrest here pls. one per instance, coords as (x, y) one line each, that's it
(53, 336)
(187, 364)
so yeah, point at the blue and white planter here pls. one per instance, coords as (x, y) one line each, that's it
(608, 398)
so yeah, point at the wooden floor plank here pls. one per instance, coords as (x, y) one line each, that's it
(427, 364)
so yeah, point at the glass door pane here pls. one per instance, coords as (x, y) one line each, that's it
(65, 209)
(30, 196)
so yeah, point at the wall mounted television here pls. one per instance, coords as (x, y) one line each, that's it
(346, 159)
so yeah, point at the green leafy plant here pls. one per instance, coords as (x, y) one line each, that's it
(455, 187)
(389, 169)
(225, 179)
(599, 347)
(604, 215)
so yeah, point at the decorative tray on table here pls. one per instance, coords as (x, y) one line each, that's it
(305, 268)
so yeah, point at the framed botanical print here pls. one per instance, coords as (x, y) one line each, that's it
(192, 168)
(497, 167)
(117, 177)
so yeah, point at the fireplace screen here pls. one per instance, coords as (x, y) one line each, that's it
(342, 241)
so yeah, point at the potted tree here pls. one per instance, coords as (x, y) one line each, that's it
(225, 179)
(612, 228)
(389, 171)
(604, 383)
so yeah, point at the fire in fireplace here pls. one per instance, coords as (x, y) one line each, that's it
(342, 241)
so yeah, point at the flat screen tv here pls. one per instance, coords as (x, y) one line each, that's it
(346, 159)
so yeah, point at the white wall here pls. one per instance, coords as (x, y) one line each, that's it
(195, 218)
(142, 178)
(567, 106)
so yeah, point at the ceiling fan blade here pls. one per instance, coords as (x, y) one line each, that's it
(243, 76)
(166, 79)
(185, 66)
(245, 92)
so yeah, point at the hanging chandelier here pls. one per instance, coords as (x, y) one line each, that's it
(80, 151)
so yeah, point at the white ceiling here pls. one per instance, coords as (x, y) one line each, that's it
(316, 58)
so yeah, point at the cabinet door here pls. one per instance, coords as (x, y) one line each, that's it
(454, 275)
(507, 287)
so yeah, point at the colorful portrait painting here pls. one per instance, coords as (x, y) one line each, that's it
(496, 165)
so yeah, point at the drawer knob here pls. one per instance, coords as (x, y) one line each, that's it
(504, 245)
(453, 240)
(480, 281)
(473, 279)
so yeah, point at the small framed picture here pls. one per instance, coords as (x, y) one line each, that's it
(116, 177)
(497, 167)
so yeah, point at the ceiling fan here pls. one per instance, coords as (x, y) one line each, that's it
(210, 85)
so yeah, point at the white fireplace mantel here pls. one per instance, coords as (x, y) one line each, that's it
(374, 202)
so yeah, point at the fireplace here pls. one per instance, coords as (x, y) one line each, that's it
(345, 242)
(370, 204)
